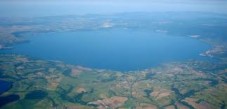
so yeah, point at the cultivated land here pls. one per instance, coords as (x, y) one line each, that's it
(168, 86)
(182, 85)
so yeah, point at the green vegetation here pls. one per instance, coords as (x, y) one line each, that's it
(46, 84)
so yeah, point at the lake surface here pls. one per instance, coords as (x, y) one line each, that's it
(122, 50)
(4, 86)
(37, 94)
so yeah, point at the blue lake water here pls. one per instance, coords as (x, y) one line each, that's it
(8, 99)
(122, 50)
(4, 86)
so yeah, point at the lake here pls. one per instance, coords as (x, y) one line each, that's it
(4, 86)
(114, 49)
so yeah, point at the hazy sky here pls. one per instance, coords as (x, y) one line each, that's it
(74, 7)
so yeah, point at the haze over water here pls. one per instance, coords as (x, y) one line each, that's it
(32, 8)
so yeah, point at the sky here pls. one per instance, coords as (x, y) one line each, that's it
(33, 8)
